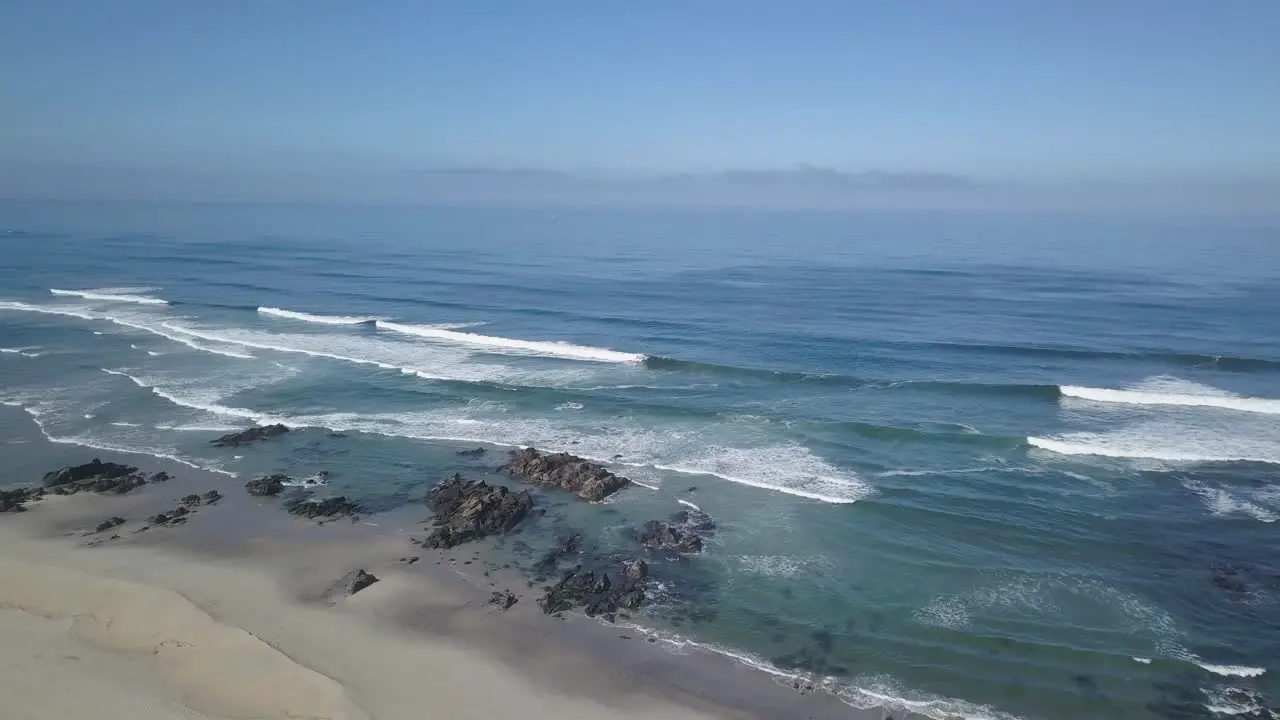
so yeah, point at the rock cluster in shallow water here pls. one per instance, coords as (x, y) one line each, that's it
(588, 480)
(468, 510)
(601, 592)
(251, 435)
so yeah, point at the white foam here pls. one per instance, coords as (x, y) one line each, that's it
(320, 319)
(1142, 660)
(1223, 700)
(130, 322)
(201, 428)
(569, 406)
(426, 361)
(1232, 670)
(126, 424)
(113, 295)
(686, 503)
(512, 345)
(97, 444)
(1180, 438)
(317, 480)
(1164, 390)
(1221, 502)
(204, 401)
(780, 565)
(790, 469)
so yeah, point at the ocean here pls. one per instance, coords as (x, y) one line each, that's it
(970, 465)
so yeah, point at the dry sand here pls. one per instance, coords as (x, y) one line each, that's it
(131, 629)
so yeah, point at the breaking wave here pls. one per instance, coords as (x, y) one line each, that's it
(125, 295)
(320, 319)
(547, 348)
(1165, 390)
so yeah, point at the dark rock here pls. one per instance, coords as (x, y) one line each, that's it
(695, 521)
(350, 584)
(635, 571)
(477, 452)
(596, 592)
(267, 486)
(169, 518)
(251, 435)
(96, 469)
(471, 509)
(409, 560)
(212, 497)
(160, 477)
(119, 485)
(191, 500)
(824, 640)
(328, 508)
(567, 546)
(504, 599)
(109, 523)
(657, 535)
(12, 500)
(564, 471)
(180, 511)
(337, 435)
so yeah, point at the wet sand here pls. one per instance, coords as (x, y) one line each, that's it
(226, 616)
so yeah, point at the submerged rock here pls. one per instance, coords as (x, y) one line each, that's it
(93, 470)
(477, 452)
(267, 486)
(326, 509)
(251, 435)
(350, 584)
(567, 546)
(564, 471)
(212, 497)
(191, 500)
(471, 509)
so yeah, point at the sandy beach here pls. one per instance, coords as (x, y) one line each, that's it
(227, 616)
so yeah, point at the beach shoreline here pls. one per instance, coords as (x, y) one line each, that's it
(425, 635)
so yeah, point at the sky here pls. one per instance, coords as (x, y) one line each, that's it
(895, 102)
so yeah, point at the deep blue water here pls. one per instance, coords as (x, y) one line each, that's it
(983, 464)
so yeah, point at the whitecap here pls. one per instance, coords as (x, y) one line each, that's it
(569, 406)
(124, 295)
(1222, 501)
(1231, 670)
(686, 503)
(320, 319)
(549, 348)
(1165, 390)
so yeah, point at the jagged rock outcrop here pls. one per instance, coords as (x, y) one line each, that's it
(598, 593)
(350, 584)
(251, 435)
(12, 501)
(471, 509)
(267, 486)
(657, 535)
(326, 509)
(503, 599)
(93, 470)
(588, 480)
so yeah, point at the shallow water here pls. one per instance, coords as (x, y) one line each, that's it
(983, 465)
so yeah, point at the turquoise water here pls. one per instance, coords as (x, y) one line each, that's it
(987, 465)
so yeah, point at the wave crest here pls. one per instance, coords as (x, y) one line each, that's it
(126, 295)
(319, 319)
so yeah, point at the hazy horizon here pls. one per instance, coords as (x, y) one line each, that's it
(1146, 106)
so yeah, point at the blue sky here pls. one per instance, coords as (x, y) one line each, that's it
(1029, 92)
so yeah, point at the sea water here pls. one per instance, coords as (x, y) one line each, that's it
(985, 466)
